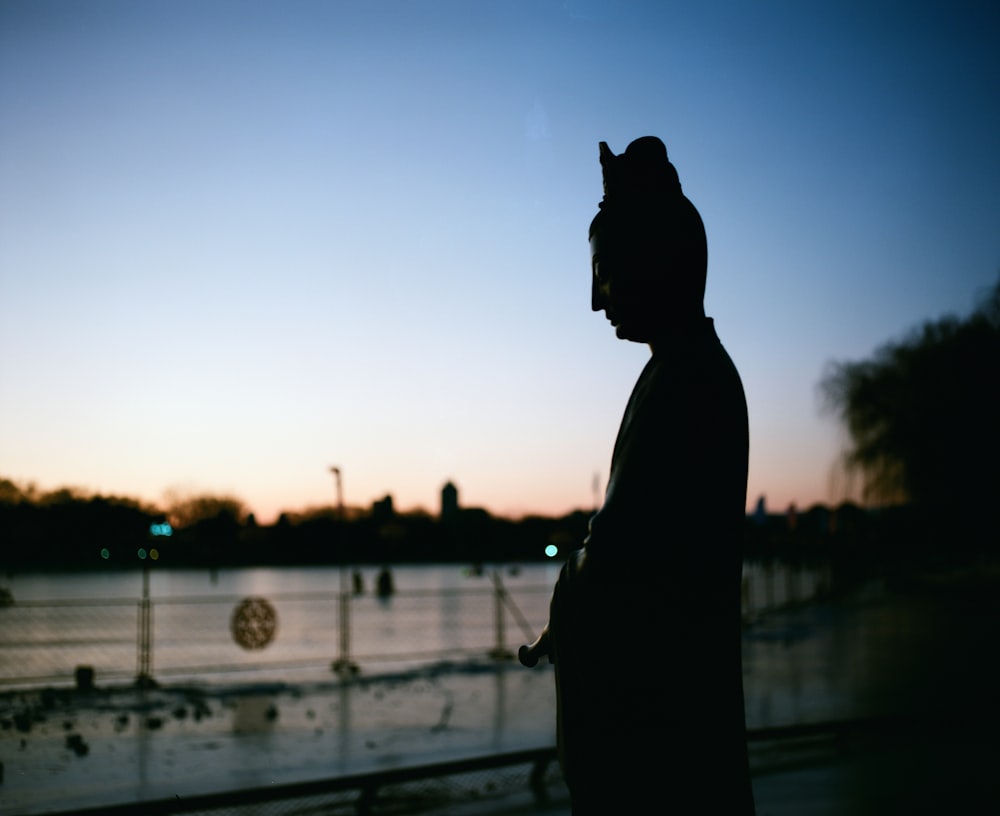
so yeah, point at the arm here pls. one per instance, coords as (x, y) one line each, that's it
(530, 653)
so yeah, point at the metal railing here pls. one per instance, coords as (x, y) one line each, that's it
(361, 790)
(361, 793)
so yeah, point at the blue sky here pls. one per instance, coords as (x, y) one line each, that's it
(241, 242)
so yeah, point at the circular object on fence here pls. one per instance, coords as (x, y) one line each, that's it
(254, 623)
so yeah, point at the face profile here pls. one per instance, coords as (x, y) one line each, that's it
(627, 285)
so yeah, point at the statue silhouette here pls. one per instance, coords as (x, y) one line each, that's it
(644, 625)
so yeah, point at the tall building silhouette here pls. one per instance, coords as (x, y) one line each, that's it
(449, 501)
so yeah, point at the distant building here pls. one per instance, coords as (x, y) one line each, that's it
(760, 512)
(449, 501)
(382, 509)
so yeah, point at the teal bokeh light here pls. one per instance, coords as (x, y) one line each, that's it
(552, 551)
(105, 553)
(142, 553)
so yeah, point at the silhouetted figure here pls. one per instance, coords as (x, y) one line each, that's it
(644, 626)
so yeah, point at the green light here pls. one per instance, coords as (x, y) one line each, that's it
(105, 553)
(552, 551)
(142, 554)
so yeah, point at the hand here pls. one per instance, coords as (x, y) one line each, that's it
(530, 654)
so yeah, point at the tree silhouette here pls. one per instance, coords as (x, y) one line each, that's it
(207, 528)
(68, 527)
(189, 510)
(923, 419)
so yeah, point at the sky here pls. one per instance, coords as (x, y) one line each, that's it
(243, 242)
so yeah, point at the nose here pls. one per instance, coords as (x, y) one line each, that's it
(598, 298)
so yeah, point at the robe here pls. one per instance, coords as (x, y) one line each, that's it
(645, 626)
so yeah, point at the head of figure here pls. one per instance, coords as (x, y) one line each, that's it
(648, 250)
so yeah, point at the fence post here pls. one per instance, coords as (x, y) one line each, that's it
(144, 669)
(343, 665)
(499, 651)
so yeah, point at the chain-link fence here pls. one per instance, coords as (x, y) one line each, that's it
(46, 642)
(149, 638)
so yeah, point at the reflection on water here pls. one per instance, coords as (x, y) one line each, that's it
(176, 583)
(874, 653)
(254, 714)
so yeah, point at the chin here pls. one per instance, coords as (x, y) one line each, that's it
(624, 333)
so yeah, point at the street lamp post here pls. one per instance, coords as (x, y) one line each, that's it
(343, 665)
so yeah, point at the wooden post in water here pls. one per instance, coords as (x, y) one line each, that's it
(769, 584)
